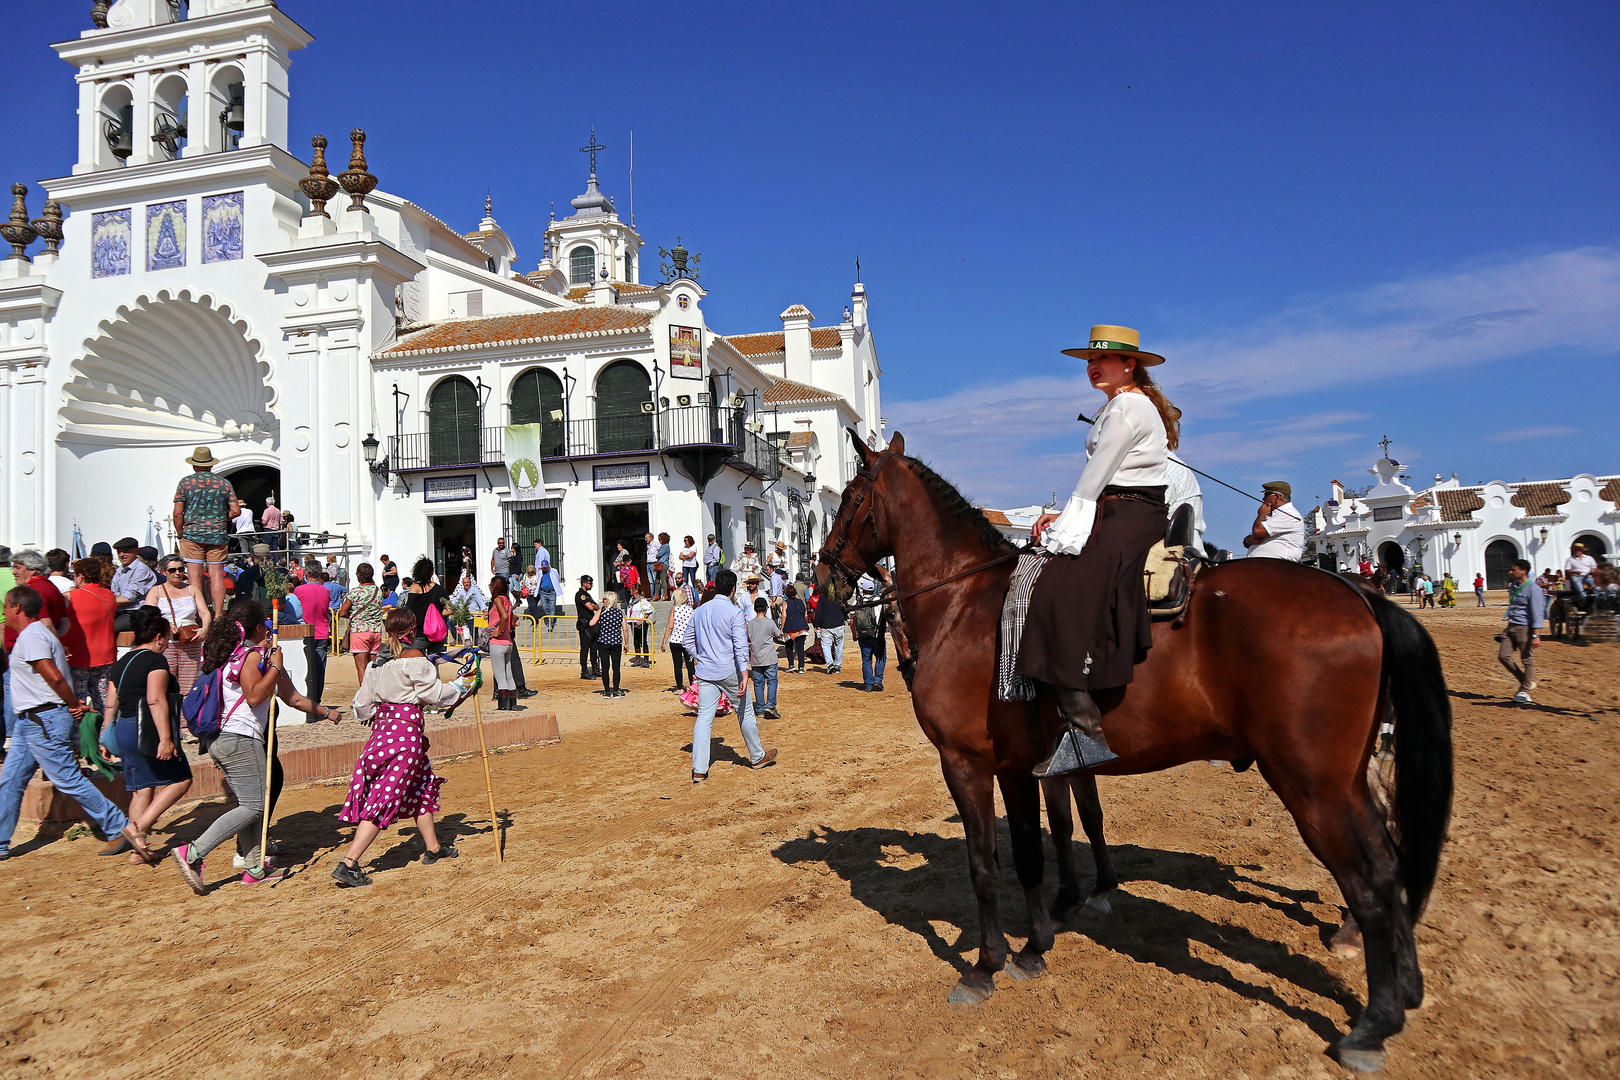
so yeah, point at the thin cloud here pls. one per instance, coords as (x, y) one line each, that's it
(1007, 442)
(1525, 434)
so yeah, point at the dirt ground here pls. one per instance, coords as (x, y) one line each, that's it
(808, 920)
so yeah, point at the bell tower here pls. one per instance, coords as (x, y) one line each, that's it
(594, 246)
(156, 86)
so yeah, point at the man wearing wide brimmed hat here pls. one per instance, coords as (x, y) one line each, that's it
(1279, 529)
(1088, 622)
(1578, 569)
(204, 505)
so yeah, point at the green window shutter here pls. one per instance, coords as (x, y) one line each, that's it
(537, 394)
(620, 424)
(453, 423)
(582, 265)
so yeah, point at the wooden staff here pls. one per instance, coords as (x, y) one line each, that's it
(483, 750)
(270, 738)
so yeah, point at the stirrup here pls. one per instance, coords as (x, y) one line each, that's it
(1074, 752)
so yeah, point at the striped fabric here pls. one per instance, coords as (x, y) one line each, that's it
(1011, 686)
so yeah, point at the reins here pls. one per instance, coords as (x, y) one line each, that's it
(887, 597)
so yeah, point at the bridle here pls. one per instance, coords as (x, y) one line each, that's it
(834, 558)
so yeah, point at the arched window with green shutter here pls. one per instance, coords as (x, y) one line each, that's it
(453, 423)
(620, 424)
(582, 265)
(537, 398)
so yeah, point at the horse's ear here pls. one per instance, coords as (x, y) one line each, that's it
(897, 444)
(861, 449)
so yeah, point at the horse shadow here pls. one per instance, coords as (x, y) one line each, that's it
(880, 866)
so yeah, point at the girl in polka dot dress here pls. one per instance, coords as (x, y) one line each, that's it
(393, 779)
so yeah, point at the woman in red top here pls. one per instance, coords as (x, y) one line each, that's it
(502, 653)
(91, 644)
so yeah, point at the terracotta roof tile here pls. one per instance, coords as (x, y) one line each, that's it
(1421, 502)
(764, 344)
(996, 518)
(785, 390)
(579, 292)
(1459, 504)
(1539, 500)
(461, 334)
(797, 311)
(1611, 491)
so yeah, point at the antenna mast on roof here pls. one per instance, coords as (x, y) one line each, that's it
(632, 179)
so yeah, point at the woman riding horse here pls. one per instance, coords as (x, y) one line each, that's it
(1088, 620)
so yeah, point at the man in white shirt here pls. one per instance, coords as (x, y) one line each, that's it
(1279, 529)
(1181, 489)
(243, 524)
(1578, 569)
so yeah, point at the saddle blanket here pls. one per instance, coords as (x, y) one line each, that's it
(1011, 686)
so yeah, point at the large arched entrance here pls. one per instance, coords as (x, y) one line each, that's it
(1499, 558)
(1595, 544)
(253, 484)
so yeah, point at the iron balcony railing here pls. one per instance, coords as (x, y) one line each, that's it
(675, 429)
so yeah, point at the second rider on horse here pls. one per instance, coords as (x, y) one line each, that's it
(1088, 623)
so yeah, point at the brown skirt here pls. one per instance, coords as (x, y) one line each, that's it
(1088, 622)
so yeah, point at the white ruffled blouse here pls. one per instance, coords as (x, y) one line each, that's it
(411, 681)
(1127, 447)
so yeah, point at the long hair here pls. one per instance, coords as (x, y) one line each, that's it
(1167, 412)
(230, 631)
(399, 625)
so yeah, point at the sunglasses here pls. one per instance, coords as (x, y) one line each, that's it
(174, 569)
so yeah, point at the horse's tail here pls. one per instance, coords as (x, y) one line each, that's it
(1415, 687)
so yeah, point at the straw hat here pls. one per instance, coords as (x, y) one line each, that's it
(203, 457)
(1115, 341)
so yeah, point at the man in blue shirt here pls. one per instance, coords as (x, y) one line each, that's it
(717, 637)
(1527, 610)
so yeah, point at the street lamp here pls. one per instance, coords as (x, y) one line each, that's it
(1544, 534)
(368, 446)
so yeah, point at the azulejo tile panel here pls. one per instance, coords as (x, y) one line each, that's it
(110, 243)
(222, 227)
(166, 235)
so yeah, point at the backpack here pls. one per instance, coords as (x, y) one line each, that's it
(204, 705)
(433, 627)
(866, 623)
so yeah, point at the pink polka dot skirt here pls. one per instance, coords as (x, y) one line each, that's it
(393, 778)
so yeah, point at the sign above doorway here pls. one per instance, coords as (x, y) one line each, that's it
(449, 488)
(621, 477)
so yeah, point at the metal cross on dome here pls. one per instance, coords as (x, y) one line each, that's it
(592, 149)
(1384, 442)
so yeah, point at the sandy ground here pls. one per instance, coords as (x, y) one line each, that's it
(808, 920)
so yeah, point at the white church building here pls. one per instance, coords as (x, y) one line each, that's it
(1469, 530)
(200, 284)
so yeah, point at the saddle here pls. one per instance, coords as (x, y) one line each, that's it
(1172, 566)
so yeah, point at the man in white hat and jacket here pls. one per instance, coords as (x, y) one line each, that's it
(1279, 529)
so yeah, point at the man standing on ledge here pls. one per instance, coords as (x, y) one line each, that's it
(204, 504)
(717, 637)
(1527, 610)
(1279, 530)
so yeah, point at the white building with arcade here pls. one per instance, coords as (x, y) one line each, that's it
(1464, 530)
(198, 283)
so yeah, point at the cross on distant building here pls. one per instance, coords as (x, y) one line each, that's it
(591, 150)
(1384, 442)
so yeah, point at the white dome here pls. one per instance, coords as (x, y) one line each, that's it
(168, 371)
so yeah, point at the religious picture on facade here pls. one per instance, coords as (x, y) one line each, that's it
(166, 235)
(686, 352)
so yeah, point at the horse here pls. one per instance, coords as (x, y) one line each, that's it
(1274, 663)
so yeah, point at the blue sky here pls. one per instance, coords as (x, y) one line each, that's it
(1338, 222)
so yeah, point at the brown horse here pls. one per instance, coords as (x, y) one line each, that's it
(1274, 662)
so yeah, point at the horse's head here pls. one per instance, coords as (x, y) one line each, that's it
(857, 538)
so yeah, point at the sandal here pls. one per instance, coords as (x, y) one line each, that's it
(137, 840)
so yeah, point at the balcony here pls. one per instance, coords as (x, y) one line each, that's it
(696, 428)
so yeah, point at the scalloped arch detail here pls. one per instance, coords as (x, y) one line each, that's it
(169, 370)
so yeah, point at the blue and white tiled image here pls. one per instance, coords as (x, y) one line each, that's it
(166, 235)
(110, 243)
(222, 227)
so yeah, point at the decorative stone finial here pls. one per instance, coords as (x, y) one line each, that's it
(489, 206)
(98, 13)
(355, 180)
(18, 233)
(49, 226)
(319, 185)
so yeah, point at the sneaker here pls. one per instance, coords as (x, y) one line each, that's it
(446, 851)
(766, 759)
(587, 676)
(271, 874)
(1523, 698)
(527, 693)
(349, 877)
(699, 777)
(239, 862)
(191, 871)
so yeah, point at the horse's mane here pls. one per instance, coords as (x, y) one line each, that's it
(953, 501)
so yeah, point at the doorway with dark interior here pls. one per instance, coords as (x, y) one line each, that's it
(627, 524)
(451, 533)
(252, 484)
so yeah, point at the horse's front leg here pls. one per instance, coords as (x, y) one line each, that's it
(1022, 794)
(969, 781)
(1086, 798)
(1060, 820)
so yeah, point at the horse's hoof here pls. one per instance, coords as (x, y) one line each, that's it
(966, 993)
(1021, 967)
(1360, 1060)
(1346, 943)
(1098, 906)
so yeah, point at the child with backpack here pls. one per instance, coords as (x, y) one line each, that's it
(229, 710)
